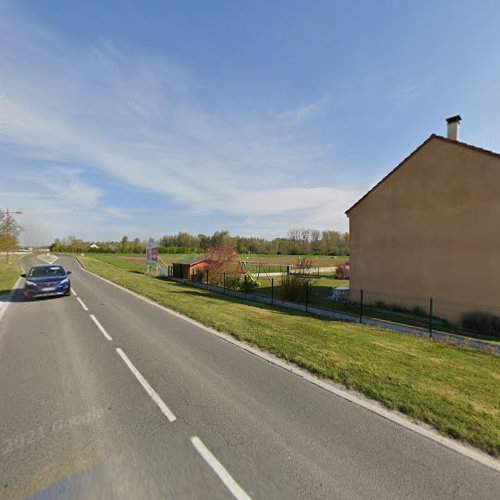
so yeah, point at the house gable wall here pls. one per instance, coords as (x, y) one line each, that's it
(432, 228)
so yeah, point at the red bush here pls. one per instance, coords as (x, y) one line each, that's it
(342, 272)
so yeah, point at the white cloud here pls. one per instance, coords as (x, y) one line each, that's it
(297, 116)
(54, 201)
(65, 184)
(135, 117)
(404, 95)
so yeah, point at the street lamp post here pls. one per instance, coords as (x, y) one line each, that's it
(7, 260)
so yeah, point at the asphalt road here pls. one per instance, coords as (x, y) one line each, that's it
(207, 419)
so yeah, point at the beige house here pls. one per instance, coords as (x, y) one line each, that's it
(431, 228)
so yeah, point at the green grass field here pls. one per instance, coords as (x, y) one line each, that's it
(135, 262)
(128, 261)
(9, 273)
(455, 390)
(319, 296)
(316, 260)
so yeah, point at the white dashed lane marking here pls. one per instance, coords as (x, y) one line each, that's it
(152, 393)
(236, 490)
(102, 330)
(85, 308)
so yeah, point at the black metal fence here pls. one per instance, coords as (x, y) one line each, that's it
(428, 313)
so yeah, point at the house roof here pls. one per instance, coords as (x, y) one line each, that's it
(432, 137)
(191, 260)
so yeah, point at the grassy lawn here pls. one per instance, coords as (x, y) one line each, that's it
(127, 261)
(320, 294)
(321, 291)
(316, 260)
(135, 262)
(9, 273)
(455, 390)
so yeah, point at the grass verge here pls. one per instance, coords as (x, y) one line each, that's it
(9, 273)
(319, 296)
(455, 390)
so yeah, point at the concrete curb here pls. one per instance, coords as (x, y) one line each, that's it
(80, 262)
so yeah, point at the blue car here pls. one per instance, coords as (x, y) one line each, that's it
(46, 280)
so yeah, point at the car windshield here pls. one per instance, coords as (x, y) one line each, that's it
(45, 271)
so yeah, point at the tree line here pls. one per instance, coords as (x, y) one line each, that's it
(297, 242)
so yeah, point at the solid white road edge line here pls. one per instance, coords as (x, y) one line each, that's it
(358, 399)
(152, 393)
(4, 305)
(73, 292)
(85, 308)
(103, 331)
(219, 470)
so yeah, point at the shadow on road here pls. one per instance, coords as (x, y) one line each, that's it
(18, 296)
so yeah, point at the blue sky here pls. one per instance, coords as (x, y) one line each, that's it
(147, 118)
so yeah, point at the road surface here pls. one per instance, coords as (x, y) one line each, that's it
(106, 396)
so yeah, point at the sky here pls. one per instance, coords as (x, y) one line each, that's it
(133, 118)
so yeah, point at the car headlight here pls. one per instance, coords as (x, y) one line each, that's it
(64, 281)
(31, 283)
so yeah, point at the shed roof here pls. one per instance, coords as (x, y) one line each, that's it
(432, 137)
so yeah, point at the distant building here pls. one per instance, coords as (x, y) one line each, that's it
(431, 228)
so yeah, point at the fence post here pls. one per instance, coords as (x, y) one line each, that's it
(430, 316)
(361, 307)
(224, 281)
(272, 290)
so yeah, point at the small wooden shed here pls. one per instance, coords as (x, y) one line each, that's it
(186, 267)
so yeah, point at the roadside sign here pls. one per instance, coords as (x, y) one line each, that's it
(152, 254)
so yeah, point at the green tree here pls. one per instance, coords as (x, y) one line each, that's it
(204, 241)
(125, 245)
(221, 239)
(57, 246)
(137, 246)
(9, 231)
